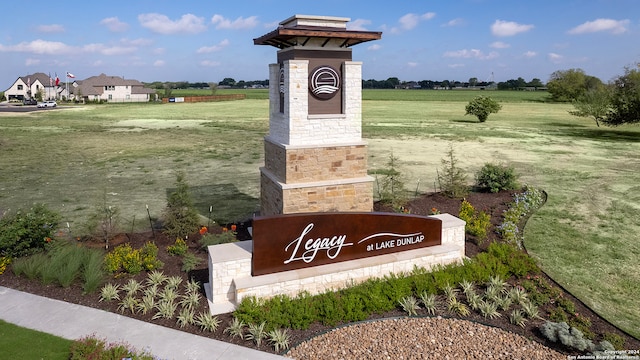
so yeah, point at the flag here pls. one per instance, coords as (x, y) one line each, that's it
(50, 80)
(70, 75)
(57, 80)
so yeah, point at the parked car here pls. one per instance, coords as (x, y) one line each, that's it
(47, 104)
(30, 102)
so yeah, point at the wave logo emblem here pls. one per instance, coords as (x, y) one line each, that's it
(324, 82)
(281, 81)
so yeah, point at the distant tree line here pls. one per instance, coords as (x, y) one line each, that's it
(395, 83)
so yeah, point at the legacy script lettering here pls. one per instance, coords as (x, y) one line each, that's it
(308, 251)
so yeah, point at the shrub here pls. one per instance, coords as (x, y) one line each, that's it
(215, 239)
(481, 107)
(132, 261)
(451, 179)
(4, 262)
(615, 340)
(568, 336)
(91, 347)
(494, 178)
(25, 233)
(477, 222)
(178, 248)
(180, 216)
(190, 262)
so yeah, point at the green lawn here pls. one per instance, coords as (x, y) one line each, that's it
(20, 343)
(76, 158)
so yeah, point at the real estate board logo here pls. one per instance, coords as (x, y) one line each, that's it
(324, 82)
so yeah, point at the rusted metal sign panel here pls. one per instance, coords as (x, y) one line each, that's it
(294, 241)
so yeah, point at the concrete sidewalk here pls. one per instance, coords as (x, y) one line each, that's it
(73, 321)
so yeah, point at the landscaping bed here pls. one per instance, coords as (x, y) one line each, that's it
(559, 303)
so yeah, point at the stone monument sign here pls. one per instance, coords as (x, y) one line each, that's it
(315, 158)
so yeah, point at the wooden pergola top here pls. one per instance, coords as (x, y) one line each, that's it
(285, 37)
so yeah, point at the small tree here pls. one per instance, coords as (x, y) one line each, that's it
(180, 216)
(481, 107)
(452, 180)
(594, 103)
(391, 188)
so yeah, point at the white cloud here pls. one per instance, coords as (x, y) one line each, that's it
(412, 64)
(358, 24)
(454, 22)
(238, 24)
(598, 25)
(374, 47)
(410, 21)
(187, 24)
(38, 47)
(210, 63)
(209, 49)
(158, 63)
(471, 54)
(53, 28)
(136, 42)
(109, 50)
(114, 24)
(555, 58)
(159, 51)
(499, 45)
(508, 28)
(530, 54)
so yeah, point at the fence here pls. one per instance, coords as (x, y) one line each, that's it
(206, 98)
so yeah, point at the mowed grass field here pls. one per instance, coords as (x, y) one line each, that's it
(78, 158)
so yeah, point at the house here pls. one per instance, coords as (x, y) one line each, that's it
(110, 89)
(38, 86)
(96, 88)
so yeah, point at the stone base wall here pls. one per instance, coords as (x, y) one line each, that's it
(230, 277)
(351, 195)
(299, 179)
(301, 164)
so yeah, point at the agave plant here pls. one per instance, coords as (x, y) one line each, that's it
(156, 278)
(257, 333)
(489, 309)
(518, 295)
(517, 318)
(429, 302)
(531, 310)
(186, 317)
(110, 292)
(410, 305)
(207, 322)
(128, 303)
(132, 287)
(190, 300)
(279, 339)
(166, 309)
(235, 328)
(458, 308)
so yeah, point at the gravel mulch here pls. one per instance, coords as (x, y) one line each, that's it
(421, 338)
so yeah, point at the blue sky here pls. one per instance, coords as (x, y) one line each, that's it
(207, 41)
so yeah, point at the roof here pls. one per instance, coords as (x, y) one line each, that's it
(95, 85)
(298, 30)
(41, 77)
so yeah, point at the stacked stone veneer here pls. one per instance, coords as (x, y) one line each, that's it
(314, 163)
(230, 277)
